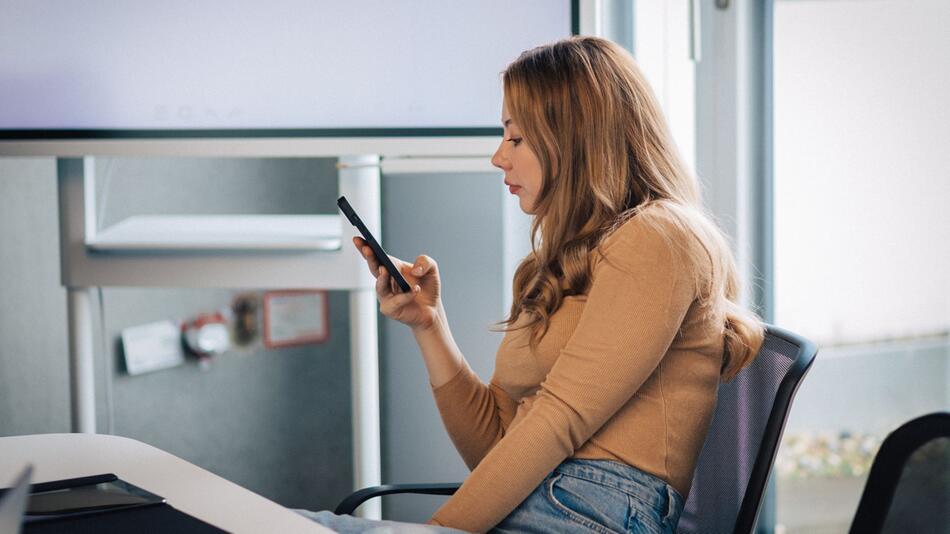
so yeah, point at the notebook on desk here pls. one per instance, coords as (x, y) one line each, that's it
(100, 503)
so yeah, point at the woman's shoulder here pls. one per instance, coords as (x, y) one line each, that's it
(659, 223)
(673, 234)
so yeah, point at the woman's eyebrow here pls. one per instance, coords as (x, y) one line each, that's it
(505, 122)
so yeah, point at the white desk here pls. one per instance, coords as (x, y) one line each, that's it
(185, 486)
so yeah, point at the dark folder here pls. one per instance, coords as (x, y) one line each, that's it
(104, 504)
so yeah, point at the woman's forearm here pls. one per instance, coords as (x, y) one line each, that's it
(442, 357)
(469, 408)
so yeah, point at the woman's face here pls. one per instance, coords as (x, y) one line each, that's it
(521, 166)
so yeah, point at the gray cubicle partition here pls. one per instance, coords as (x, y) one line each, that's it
(277, 421)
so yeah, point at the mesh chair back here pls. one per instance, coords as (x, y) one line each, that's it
(737, 457)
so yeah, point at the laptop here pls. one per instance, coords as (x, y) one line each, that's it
(13, 502)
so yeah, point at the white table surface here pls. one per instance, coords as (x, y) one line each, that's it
(185, 486)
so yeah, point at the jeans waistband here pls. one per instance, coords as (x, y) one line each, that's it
(648, 488)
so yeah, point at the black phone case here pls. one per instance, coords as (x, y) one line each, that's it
(378, 251)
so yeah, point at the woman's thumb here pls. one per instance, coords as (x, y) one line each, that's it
(423, 264)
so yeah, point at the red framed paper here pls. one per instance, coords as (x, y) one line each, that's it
(299, 317)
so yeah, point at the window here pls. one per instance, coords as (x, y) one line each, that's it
(862, 236)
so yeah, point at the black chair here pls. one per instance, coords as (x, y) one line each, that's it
(737, 457)
(908, 487)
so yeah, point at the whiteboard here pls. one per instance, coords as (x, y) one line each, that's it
(107, 68)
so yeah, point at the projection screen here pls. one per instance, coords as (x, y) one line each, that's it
(282, 68)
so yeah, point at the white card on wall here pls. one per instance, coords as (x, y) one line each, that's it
(295, 318)
(151, 347)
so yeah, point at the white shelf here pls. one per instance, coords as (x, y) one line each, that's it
(221, 233)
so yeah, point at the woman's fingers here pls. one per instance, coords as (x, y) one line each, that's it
(393, 285)
(367, 254)
(383, 286)
(391, 298)
(423, 265)
(397, 301)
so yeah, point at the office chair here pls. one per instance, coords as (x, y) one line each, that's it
(908, 487)
(737, 457)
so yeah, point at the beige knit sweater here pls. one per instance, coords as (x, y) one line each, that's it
(627, 372)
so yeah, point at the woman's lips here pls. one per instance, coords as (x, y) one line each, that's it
(514, 189)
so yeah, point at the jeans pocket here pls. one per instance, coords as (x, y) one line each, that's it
(646, 518)
(673, 509)
(598, 508)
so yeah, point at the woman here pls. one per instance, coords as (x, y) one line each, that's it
(624, 317)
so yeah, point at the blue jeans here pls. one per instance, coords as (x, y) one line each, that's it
(578, 496)
(596, 496)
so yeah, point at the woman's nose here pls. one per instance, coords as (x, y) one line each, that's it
(498, 159)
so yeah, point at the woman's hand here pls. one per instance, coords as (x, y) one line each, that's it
(418, 308)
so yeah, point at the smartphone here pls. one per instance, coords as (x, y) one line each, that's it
(378, 251)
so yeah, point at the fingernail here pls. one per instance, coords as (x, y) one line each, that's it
(417, 288)
(417, 270)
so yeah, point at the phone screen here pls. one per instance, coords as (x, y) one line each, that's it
(378, 251)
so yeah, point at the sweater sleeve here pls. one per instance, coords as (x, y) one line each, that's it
(639, 297)
(475, 415)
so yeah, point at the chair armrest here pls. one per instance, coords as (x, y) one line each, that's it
(358, 497)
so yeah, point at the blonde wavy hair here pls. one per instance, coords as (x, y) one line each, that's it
(590, 117)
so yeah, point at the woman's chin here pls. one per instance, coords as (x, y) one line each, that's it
(526, 206)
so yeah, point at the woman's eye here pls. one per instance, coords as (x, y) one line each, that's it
(515, 141)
